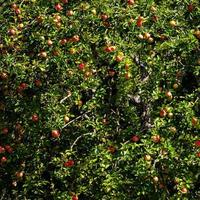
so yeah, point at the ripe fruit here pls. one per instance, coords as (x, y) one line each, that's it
(3, 159)
(168, 94)
(55, 133)
(35, 118)
(4, 75)
(81, 66)
(119, 58)
(197, 143)
(64, 1)
(140, 21)
(155, 179)
(130, 2)
(14, 6)
(147, 36)
(104, 17)
(135, 138)
(66, 119)
(8, 148)
(155, 138)
(190, 7)
(2, 149)
(194, 121)
(163, 113)
(69, 163)
(49, 42)
(38, 83)
(150, 40)
(147, 157)
(198, 154)
(70, 13)
(197, 34)
(12, 31)
(170, 115)
(58, 7)
(75, 38)
(184, 190)
(172, 23)
(5, 131)
(17, 11)
(175, 86)
(19, 174)
(111, 72)
(140, 36)
(74, 197)
(111, 149)
(43, 54)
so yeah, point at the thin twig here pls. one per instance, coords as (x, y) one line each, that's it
(74, 143)
(75, 119)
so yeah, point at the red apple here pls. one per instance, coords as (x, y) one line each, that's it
(19, 174)
(135, 138)
(2, 149)
(163, 113)
(38, 83)
(184, 190)
(8, 148)
(69, 163)
(64, 1)
(190, 7)
(12, 31)
(3, 159)
(194, 121)
(49, 42)
(35, 118)
(43, 54)
(74, 197)
(130, 2)
(81, 66)
(70, 13)
(17, 11)
(104, 17)
(197, 143)
(5, 131)
(75, 38)
(156, 138)
(140, 21)
(198, 154)
(119, 58)
(55, 133)
(58, 7)
(112, 149)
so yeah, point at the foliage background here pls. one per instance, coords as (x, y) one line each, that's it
(107, 101)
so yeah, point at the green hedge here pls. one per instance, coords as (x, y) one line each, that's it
(99, 99)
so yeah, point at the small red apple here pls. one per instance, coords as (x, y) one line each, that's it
(19, 174)
(12, 31)
(194, 121)
(58, 7)
(198, 154)
(35, 118)
(197, 143)
(190, 7)
(38, 83)
(147, 157)
(8, 148)
(49, 42)
(135, 138)
(130, 2)
(17, 11)
(69, 163)
(104, 17)
(163, 113)
(55, 133)
(184, 190)
(140, 21)
(5, 131)
(43, 54)
(74, 197)
(64, 1)
(70, 13)
(156, 138)
(81, 66)
(2, 149)
(75, 38)
(119, 58)
(112, 149)
(4, 159)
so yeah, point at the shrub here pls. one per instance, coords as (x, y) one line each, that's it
(99, 99)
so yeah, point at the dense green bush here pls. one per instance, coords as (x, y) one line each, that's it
(99, 99)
